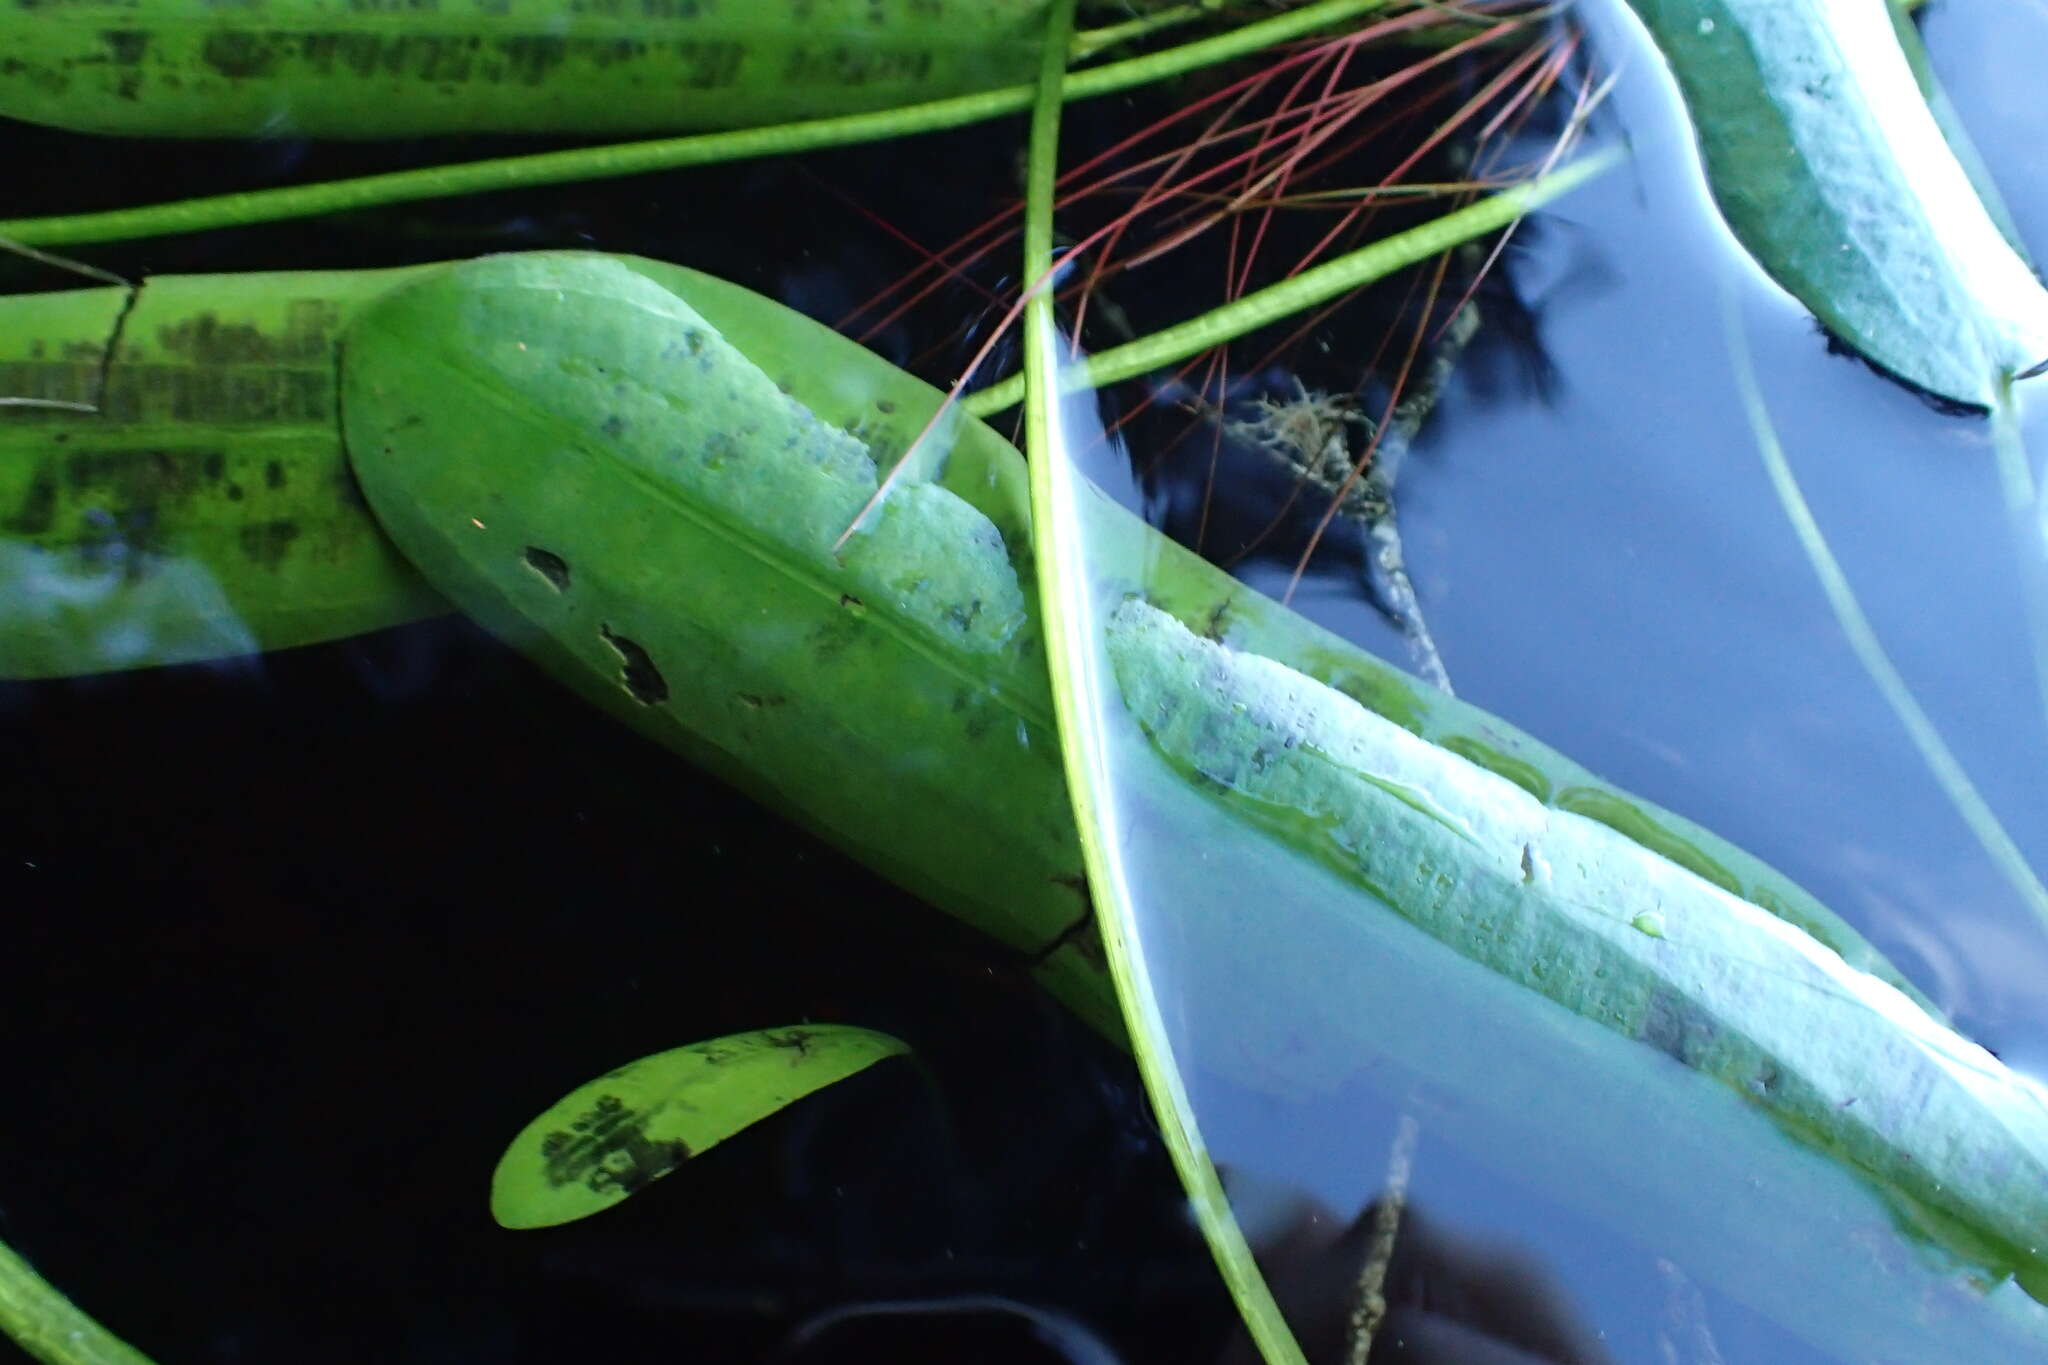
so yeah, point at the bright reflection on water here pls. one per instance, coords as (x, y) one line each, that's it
(1611, 572)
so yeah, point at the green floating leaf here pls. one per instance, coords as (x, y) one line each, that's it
(603, 1141)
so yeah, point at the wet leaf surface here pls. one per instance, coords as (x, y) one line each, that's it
(628, 1128)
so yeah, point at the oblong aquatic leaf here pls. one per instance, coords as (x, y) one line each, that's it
(206, 509)
(1571, 909)
(309, 68)
(589, 460)
(608, 1139)
(1831, 169)
(533, 402)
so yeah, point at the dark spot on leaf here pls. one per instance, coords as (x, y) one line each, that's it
(613, 426)
(606, 1149)
(143, 476)
(234, 492)
(267, 542)
(550, 566)
(1679, 1027)
(273, 475)
(884, 405)
(832, 637)
(305, 339)
(239, 55)
(848, 600)
(797, 1040)
(642, 680)
(1212, 627)
(38, 508)
(125, 46)
(719, 447)
(962, 615)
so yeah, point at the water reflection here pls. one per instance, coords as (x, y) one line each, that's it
(116, 607)
(1442, 1299)
(1612, 571)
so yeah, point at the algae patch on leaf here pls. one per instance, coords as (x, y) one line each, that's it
(619, 1133)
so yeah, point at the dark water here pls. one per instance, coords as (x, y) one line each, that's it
(296, 950)
(297, 944)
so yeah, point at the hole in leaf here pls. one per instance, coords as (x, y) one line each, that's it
(548, 565)
(637, 671)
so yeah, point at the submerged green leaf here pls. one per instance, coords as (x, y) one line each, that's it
(178, 490)
(606, 1140)
(1830, 167)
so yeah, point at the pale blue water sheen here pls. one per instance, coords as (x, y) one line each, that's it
(1608, 568)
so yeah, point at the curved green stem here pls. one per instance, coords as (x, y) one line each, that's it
(1072, 648)
(49, 1326)
(2022, 510)
(1308, 289)
(1862, 636)
(639, 158)
(1089, 42)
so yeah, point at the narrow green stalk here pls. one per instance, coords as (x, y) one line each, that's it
(2029, 536)
(1088, 43)
(640, 158)
(1934, 751)
(49, 1326)
(1072, 653)
(1308, 289)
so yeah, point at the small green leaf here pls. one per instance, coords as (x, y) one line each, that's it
(605, 1140)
